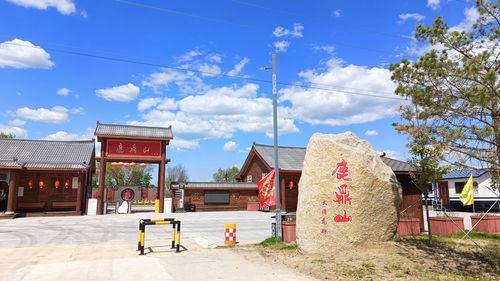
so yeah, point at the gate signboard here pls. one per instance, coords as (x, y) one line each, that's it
(133, 149)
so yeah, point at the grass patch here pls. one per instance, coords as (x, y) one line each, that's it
(477, 236)
(275, 244)
(488, 250)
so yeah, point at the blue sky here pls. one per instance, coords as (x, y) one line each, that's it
(66, 64)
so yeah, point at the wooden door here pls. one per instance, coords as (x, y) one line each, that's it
(444, 193)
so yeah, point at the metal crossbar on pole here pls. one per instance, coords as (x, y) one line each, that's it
(176, 232)
(463, 230)
(481, 218)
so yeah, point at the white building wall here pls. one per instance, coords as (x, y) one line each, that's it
(482, 193)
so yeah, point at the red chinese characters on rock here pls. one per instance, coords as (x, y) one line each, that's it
(341, 172)
(324, 212)
(343, 196)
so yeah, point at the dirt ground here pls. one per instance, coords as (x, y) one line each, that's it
(408, 259)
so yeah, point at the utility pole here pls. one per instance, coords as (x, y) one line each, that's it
(277, 189)
(276, 162)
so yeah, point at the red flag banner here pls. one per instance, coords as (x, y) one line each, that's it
(267, 195)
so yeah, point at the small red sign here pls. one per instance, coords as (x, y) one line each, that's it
(133, 149)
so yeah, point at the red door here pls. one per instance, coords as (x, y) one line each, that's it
(444, 193)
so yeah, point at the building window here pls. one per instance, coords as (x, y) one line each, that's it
(459, 186)
(216, 197)
(249, 178)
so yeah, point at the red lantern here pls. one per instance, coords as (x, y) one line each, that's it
(143, 165)
(57, 183)
(30, 183)
(66, 184)
(132, 164)
(290, 185)
(40, 183)
(115, 164)
(125, 164)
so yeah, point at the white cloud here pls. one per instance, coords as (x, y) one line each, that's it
(64, 92)
(214, 58)
(187, 81)
(329, 49)
(238, 67)
(417, 49)
(184, 144)
(164, 78)
(413, 16)
(433, 4)
(57, 114)
(20, 133)
(77, 110)
(147, 103)
(281, 46)
(209, 70)
(159, 103)
(230, 146)
(122, 93)
(84, 14)
(471, 16)
(295, 32)
(189, 56)
(371, 133)
(318, 106)
(17, 122)
(219, 113)
(23, 54)
(65, 136)
(65, 7)
(336, 13)
(167, 104)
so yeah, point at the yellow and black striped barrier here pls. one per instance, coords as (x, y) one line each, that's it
(176, 232)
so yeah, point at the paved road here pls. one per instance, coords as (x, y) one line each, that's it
(103, 248)
(252, 227)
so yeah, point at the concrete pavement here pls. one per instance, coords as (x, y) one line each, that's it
(103, 248)
(252, 227)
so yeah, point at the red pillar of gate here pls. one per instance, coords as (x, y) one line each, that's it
(102, 178)
(12, 194)
(161, 177)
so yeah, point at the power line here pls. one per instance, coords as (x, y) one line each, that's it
(264, 8)
(327, 88)
(251, 26)
(171, 11)
(110, 53)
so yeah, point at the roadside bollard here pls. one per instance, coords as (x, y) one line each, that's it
(230, 234)
(176, 232)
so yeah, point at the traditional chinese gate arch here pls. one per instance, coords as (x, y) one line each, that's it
(138, 144)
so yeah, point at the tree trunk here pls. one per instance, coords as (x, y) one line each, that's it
(496, 166)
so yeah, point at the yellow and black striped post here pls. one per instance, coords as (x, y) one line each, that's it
(173, 235)
(178, 237)
(142, 234)
(176, 232)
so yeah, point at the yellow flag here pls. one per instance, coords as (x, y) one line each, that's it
(467, 194)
